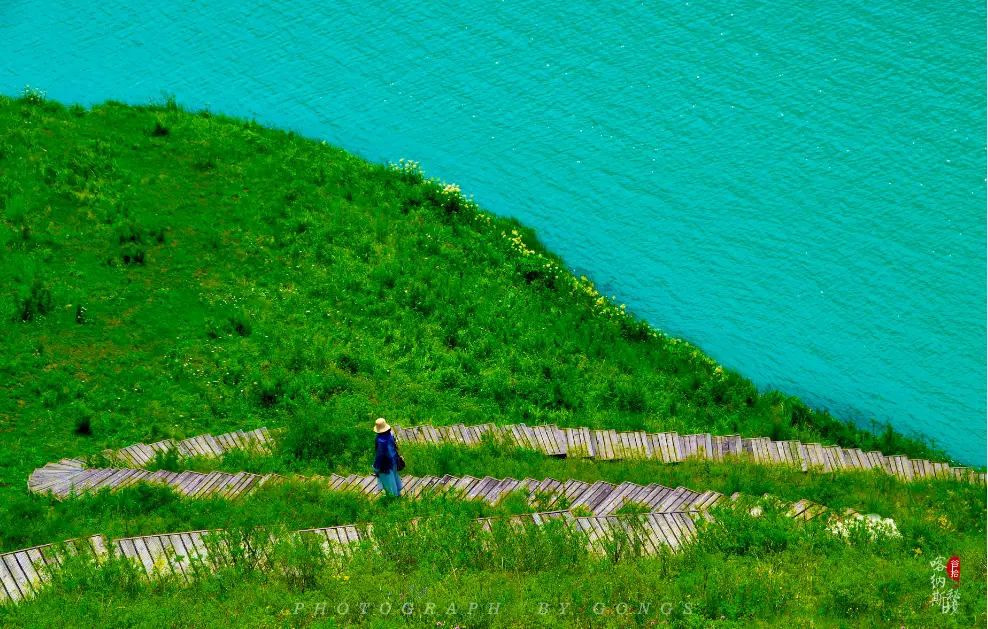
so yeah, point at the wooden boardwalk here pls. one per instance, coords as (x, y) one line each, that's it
(599, 498)
(671, 447)
(189, 555)
(605, 445)
(669, 522)
(206, 446)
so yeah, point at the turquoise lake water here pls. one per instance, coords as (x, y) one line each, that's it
(796, 187)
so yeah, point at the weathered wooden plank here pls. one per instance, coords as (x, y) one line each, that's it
(234, 441)
(615, 498)
(10, 580)
(225, 443)
(558, 439)
(181, 557)
(245, 487)
(159, 556)
(266, 437)
(902, 468)
(604, 490)
(671, 499)
(835, 457)
(464, 435)
(646, 444)
(654, 496)
(685, 497)
(214, 447)
(39, 563)
(190, 483)
(143, 554)
(260, 442)
(547, 438)
(433, 434)
(669, 536)
(131, 479)
(32, 580)
(249, 444)
(193, 445)
(658, 447)
(215, 481)
(682, 525)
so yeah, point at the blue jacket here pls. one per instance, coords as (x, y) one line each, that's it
(386, 454)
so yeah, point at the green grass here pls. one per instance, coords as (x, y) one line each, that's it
(166, 273)
(770, 572)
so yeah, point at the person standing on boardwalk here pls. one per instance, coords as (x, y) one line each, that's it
(386, 459)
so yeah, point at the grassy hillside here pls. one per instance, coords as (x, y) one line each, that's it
(166, 273)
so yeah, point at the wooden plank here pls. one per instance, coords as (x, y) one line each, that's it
(249, 444)
(588, 443)
(464, 435)
(558, 440)
(614, 499)
(658, 447)
(604, 490)
(600, 445)
(159, 556)
(834, 456)
(203, 488)
(224, 443)
(906, 466)
(669, 536)
(688, 443)
(107, 478)
(759, 451)
(39, 565)
(147, 451)
(775, 453)
(922, 468)
(192, 484)
(685, 496)
(32, 579)
(83, 483)
(685, 525)
(180, 560)
(195, 446)
(231, 442)
(131, 479)
(654, 496)
(505, 487)
(646, 444)
(260, 442)
(670, 500)
(856, 459)
(215, 481)
(767, 447)
(12, 578)
(432, 435)
(546, 439)
(816, 460)
(551, 444)
(213, 445)
(143, 554)
(245, 487)
(198, 553)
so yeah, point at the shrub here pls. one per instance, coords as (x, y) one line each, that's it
(37, 302)
(83, 426)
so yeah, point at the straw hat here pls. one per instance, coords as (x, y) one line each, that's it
(381, 425)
